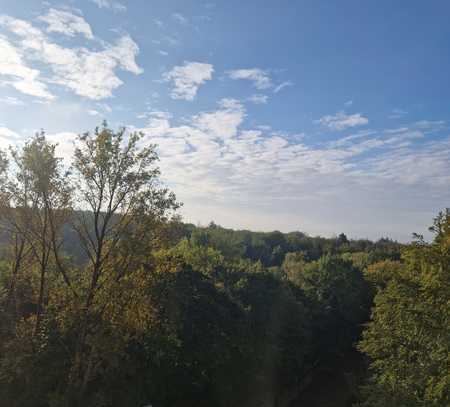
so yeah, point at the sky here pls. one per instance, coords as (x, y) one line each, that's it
(319, 116)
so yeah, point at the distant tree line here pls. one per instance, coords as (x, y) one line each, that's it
(270, 248)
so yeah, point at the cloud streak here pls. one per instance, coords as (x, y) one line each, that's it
(110, 5)
(341, 121)
(283, 85)
(259, 99)
(260, 78)
(179, 18)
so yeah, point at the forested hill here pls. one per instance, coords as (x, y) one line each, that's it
(270, 248)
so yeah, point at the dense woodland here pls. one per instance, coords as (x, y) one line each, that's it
(108, 299)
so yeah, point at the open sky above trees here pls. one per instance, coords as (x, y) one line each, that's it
(327, 118)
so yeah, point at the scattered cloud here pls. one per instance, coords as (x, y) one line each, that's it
(110, 5)
(86, 72)
(259, 99)
(283, 85)
(187, 78)
(413, 166)
(348, 103)
(163, 53)
(260, 78)
(11, 101)
(157, 120)
(397, 114)
(341, 121)
(370, 140)
(431, 125)
(204, 18)
(67, 23)
(212, 157)
(171, 40)
(179, 18)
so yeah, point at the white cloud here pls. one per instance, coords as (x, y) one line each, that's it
(163, 53)
(65, 144)
(8, 137)
(261, 79)
(110, 4)
(21, 28)
(341, 121)
(124, 51)
(228, 157)
(213, 155)
(187, 78)
(65, 22)
(179, 18)
(18, 74)
(222, 123)
(86, 72)
(413, 166)
(283, 85)
(11, 101)
(348, 103)
(258, 99)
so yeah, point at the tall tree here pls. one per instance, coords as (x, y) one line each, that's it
(408, 339)
(35, 205)
(119, 198)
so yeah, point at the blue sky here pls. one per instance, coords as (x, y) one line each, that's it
(320, 116)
